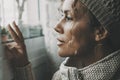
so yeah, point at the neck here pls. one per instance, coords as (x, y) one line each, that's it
(98, 53)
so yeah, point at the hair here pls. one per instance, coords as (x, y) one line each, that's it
(112, 40)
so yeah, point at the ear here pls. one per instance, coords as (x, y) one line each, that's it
(100, 33)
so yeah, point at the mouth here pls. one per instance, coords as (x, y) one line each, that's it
(60, 42)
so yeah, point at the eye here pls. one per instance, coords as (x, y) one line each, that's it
(68, 18)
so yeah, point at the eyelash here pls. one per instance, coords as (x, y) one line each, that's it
(68, 18)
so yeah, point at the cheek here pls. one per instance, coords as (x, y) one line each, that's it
(68, 26)
(80, 39)
(86, 45)
(69, 49)
(84, 40)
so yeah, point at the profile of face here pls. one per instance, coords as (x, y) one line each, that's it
(74, 31)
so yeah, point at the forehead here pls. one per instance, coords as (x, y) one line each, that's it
(67, 5)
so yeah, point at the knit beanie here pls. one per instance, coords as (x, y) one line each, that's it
(107, 12)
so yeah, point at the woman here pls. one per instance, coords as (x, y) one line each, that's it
(88, 36)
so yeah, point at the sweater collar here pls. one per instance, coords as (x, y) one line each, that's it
(103, 69)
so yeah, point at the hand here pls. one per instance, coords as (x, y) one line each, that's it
(16, 51)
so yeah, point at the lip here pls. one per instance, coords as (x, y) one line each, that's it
(60, 42)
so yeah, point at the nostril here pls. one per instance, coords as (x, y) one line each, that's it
(58, 29)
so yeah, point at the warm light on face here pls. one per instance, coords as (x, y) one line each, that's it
(73, 31)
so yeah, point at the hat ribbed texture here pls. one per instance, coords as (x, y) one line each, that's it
(106, 11)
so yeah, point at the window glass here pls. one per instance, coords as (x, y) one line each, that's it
(24, 14)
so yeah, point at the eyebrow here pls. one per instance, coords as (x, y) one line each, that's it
(63, 11)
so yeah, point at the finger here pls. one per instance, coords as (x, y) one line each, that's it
(18, 31)
(10, 45)
(13, 34)
(14, 52)
(19, 49)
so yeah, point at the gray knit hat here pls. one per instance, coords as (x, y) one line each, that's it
(107, 12)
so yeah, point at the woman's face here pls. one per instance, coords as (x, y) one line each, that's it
(74, 32)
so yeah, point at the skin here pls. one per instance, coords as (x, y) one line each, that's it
(74, 35)
(16, 51)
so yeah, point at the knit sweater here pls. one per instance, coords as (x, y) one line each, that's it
(107, 68)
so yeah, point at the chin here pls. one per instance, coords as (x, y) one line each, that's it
(61, 53)
(65, 53)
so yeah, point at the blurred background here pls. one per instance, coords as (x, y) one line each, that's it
(36, 19)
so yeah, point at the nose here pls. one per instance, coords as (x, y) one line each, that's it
(59, 28)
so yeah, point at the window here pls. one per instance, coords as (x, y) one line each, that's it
(28, 20)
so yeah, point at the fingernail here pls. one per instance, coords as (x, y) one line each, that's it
(8, 25)
(13, 22)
